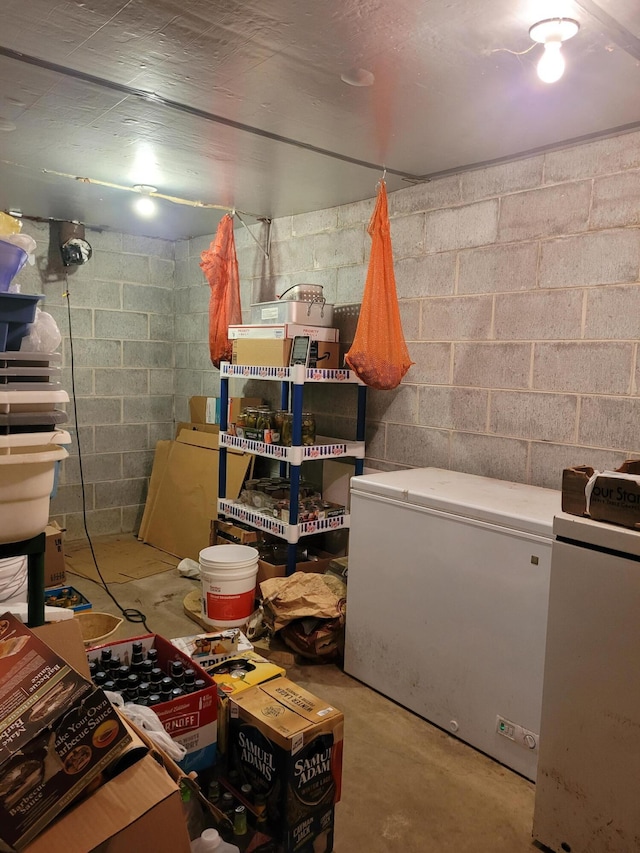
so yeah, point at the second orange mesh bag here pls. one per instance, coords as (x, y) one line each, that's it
(220, 265)
(379, 354)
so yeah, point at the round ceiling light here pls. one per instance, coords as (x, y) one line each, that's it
(551, 33)
(145, 205)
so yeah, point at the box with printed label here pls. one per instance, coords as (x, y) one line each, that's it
(190, 718)
(214, 647)
(284, 330)
(57, 734)
(287, 744)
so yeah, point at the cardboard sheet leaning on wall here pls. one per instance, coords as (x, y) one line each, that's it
(308, 612)
(183, 492)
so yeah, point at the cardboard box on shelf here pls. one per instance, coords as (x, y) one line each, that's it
(324, 354)
(284, 330)
(234, 532)
(58, 733)
(261, 352)
(268, 569)
(206, 410)
(54, 566)
(287, 744)
(190, 719)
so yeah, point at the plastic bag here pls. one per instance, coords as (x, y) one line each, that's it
(220, 265)
(147, 719)
(379, 354)
(43, 335)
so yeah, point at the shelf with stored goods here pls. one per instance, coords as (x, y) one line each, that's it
(292, 380)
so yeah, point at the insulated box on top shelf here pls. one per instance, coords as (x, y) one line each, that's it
(189, 719)
(58, 733)
(287, 744)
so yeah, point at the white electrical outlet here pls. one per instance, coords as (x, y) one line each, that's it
(518, 734)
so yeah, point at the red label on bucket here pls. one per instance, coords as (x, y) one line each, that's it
(229, 608)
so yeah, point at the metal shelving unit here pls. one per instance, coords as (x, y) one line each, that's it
(293, 380)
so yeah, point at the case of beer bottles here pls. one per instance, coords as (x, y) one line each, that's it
(285, 762)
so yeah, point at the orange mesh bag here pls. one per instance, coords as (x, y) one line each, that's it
(220, 266)
(379, 354)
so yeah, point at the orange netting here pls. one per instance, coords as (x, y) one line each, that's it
(379, 354)
(220, 265)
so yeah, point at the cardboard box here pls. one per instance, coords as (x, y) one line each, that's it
(612, 497)
(54, 566)
(287, 744)
(268, 569)
(284, 330)
(140, 809)
(225, 532)
(68, 597)
(264, 353)
(189, 719)
(324, 354)
(211, 428)
(206, 410)
(57, 733)
(211, 648)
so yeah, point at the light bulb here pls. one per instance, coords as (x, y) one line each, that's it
(145, 206)
(551, 65)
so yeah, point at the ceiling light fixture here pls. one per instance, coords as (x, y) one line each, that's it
(145, 205)
(551, 33)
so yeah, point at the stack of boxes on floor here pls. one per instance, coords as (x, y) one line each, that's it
(277, 775)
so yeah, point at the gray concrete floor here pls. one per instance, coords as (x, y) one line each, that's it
(408, 787)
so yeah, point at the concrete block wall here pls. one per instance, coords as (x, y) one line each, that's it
(519, 288)
(122, 319)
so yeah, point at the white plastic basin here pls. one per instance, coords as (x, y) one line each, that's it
(26, 481)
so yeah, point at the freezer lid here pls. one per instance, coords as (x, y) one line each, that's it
(527, 508)
(598, 534)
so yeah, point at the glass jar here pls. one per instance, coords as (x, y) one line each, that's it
(251, 418)
(308, 428)
(287, 427)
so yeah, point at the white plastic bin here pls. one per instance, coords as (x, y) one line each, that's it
(26, 481)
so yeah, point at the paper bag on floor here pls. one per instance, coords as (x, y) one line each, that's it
(308, 612)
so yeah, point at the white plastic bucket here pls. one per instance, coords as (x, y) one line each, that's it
(228, 574)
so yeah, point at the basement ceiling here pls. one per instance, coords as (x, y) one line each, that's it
(242, 103)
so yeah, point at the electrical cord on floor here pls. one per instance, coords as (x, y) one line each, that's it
(131, 614)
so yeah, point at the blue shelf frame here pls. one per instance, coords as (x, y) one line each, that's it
(293, 380)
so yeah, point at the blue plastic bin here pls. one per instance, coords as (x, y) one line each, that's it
(12, 259)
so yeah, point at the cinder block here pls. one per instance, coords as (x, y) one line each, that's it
(489, 456)
(121, 437)
(613, 313)
(165, 432)
(292, 255)
(615, 200)
(600, 157)
(492, 365)
(610, 422)
(462, 227)
(417, 447)
(100, 522)
(191, 327)
(432, 363)
(199, 298)
(410, 318)
(351, 281)
(147, 409)
(148, 246)
(83, 380)
(121, 382)
(96, 467)
(188, 382)
(547, 461)
(161, 327)
(501, 179)
(545, 417)
(105, 241)
(430, 195)
(161, 382)
(607, 257)
(147, 354)
(453, 408)
(161, 272)
(199, 357)
(69, 499)
(456, 318)
(542, 315)
(584, 367)
(181, 250)
(358, 213)
(99, 410)
(153, 300)
(427, 275)
(498, 268)
(314, 222)
(121, 325)
(113, 266)
(120, 493)
(407, 237)
(137, 464)
(397, 406)
(181, 351)
(338, 248)
(81, 320)
(94, 294)
(545, 212)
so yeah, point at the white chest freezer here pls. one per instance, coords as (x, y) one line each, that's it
(447, 602)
